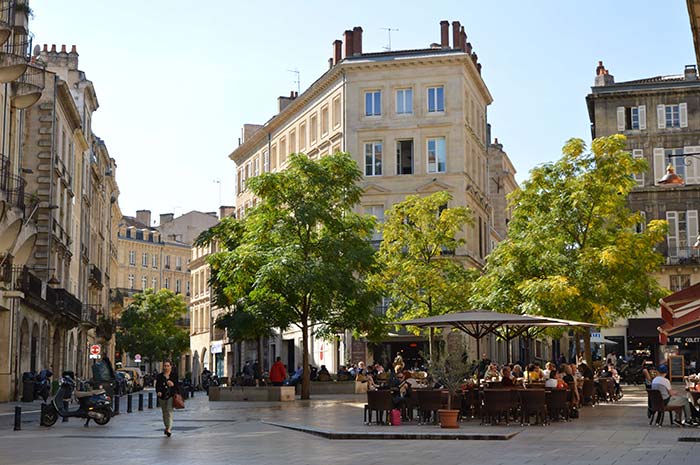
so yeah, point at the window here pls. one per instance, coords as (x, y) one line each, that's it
(373, 159)
(313, 129)
(631, 118)
(674, 159)
(436, 155)
(144, 259)
(642, 225)
(178, 263)
(679, 282)
(283, 150)
(682, 232)
(256, 166)
(376, 211)
(436, 99)
(154, 261)
(302, 136)
(132, 257)
(638, 153)
(246, 175)
(672, 116)
(404, 101)
(239, 181)
(324, 121)
(187, 287)
(167, 283)
(144, 281)
(266, 161)
(404, 157)
(131, 281)
(177, 286)
(373, 103)
(154, 283)
(273, 157)
(336, 112)
(293, 142)
(167, 262)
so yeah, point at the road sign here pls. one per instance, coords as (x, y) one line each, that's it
(137, 358)
(95, 351)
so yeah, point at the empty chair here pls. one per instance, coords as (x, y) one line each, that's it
(429, 402)
(658, 408)
(380, 402)
(557, 405)
(532, 402)
(497, 403)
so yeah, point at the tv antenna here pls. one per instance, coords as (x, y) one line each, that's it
(218, 181)
(298, 79)
(389, 31)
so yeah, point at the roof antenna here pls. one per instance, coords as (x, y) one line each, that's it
(388, 30)
(298, 79)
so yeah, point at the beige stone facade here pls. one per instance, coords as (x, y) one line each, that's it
(416, 123)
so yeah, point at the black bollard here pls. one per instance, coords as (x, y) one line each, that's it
(65, 409)
(41, 415)
(191, 391)
(116, 405)
(140, 402)
(128, 403)
(150, 400)
(18, 418)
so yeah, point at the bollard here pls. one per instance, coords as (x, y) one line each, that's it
(186, 394)
(150, 400)
(65, 409)
(41, 415)
(18, 418)
(128, 403)
(140, 402)
(116, 405)
(191, 391)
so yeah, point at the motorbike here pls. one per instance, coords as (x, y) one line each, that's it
(92, 405)
(42, 385)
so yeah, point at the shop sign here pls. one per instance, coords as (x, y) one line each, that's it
(217, 347)
(686, 340)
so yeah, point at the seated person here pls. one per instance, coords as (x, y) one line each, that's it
(549, 370)
(531, 374)
(296, 377)
(506, 376)
(556, 380)
(323, 374)
(343, 373)
(585, 371)
(492, 372)
(671, 397)
(517, 371)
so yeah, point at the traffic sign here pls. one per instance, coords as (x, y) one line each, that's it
(137, 358)
(95, 351)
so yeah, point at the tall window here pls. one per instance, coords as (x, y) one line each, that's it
(283, 150)
(437, 160)
(293, 142)
(144, 259)
(676, 161)
(682, 232)
(144, 282)
(166, 283)
(673, 116)
(178, 263)
(639, 153)
(154, 261)
(373, 159)
(266, 161)
(679, 282)
(302, 136)
(324, 121)
(376, 211)
(154, 283)
(436, 99)
(404, 157)
(132, 257)
(373, 103)
(177, 286)
(313, 129)
(336, 112)
(187, 287)
(131, 281)
(167, 262)
(404, 101)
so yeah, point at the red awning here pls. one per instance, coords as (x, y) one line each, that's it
(680, 312)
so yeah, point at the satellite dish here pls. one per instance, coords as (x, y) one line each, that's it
(37, 50)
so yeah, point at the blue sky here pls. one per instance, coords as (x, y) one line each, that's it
(177, 79)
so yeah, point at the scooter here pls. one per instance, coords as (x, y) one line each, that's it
(93, 405)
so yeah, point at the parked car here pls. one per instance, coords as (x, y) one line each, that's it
(136, 377)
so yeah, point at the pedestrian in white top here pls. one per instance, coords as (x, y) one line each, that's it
(671, 397)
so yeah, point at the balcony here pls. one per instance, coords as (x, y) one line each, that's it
(89, 315)
(682, 256)
(5, 28)
(32, 287)
(28, 88)
(95, 276)
(14, 58)
(69, 304)
(60, 234)
(11, 186)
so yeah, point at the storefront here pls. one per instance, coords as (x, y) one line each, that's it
(642, 334)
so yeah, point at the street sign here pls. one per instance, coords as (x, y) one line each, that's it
(137, 358)
(95, 351)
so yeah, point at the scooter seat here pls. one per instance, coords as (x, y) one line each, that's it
(96, 392)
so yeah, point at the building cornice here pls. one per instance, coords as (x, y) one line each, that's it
(66, 99)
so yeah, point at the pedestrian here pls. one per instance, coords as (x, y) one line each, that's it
(278, 373)
(166, 388)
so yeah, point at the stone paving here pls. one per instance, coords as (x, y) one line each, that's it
(233, 433)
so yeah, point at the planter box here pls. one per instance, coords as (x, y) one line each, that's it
(253, 394)
(335, 387)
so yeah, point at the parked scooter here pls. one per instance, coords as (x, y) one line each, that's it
(42, 385)
(93, 405)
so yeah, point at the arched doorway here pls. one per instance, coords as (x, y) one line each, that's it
(24, 355)
(56, 350)
(34, 357)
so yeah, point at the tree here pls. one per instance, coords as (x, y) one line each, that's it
(574, 248)
(148, 326)
(299, 257)
(419, 270)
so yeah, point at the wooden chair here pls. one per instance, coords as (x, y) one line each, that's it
(557, 404)
(380, 402)
(497, 402)
(429, 402)
(532, 402)
(659, 409)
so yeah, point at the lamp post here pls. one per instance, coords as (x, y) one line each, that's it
(671, 178)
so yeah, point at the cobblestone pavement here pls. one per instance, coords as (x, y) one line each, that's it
(232, 433)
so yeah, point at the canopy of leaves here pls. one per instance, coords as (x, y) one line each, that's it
(574, 249)
(149, 325)
(419, 270)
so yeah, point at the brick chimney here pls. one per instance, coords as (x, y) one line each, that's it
(444, 34)
(357, 40)
(463, 39)
(456, 37)
(144, 216)
(602, 77)
(348, 43)
(337, 51)
(166, 218)
(226, 210)
(283, 101)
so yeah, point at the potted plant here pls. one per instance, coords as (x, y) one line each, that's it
(451, 370)
(22, 14)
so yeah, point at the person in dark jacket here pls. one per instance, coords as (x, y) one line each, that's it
(166, 388)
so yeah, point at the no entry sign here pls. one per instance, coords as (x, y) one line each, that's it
(95, 351)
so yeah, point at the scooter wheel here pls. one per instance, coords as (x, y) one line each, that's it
(49, 417)
(106, 416)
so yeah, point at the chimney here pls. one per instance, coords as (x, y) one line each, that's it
(445, 33)
(455, 35)
(602, 78)
(357, 40)
(226, 210)
(348, 43)
(144, 216)
(468, 48)
(283, 101)
(63, 48)
(337, 51)
(166, 218)
(690, 73)
(463, 39)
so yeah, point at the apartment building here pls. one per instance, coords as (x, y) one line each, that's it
(415, 122)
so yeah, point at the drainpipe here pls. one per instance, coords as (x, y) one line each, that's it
(51, 168)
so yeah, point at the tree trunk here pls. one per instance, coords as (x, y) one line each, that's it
(306, 376)
(587, 348)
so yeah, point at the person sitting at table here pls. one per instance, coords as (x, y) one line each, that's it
(549, 370)
(517, 371)
(671, 397)
(492, 372)
(556, 379)
(400, 389)
(531, 374)
(585, 371)
(506, 376)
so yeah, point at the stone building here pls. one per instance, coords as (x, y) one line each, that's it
(415, 122)
(660, 116)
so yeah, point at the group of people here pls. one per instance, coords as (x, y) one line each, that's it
(670, 396)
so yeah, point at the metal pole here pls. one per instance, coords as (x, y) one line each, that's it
(150, 400)
(116, 405)
(140, 402)
(41, 417)
(18, 418)
(128, 404)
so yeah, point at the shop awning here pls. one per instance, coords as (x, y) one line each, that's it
(680, 312)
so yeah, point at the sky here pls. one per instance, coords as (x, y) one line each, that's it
(177, 79)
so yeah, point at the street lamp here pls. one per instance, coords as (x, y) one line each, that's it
(671, 177)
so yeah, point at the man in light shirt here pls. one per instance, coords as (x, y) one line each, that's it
(671, 397)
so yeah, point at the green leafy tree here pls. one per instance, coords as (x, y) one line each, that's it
(149, 325)
(419, 270)
(299, 257)
(574, 249)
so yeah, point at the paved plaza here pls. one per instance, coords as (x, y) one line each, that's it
(239, 432)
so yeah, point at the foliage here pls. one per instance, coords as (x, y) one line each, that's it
(574, 249)
(450, 370)
(148, 326)
(243, 326)
(105, 327)
(299, 257)
(419, 271)
(24, 8)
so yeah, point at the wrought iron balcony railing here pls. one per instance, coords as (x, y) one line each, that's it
(5, 21)
(90, 313)
(28, 87)
(11, 186)
(69, 304)
(14, 57)
(682, 256)
(95, 276)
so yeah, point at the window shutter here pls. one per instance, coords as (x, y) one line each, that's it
(672, 238)
(661, 116)
(692, 228)
(683, 110)
(620, 118)
(659, 164)
(642, 117)
(639, 153)
(692, 172)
